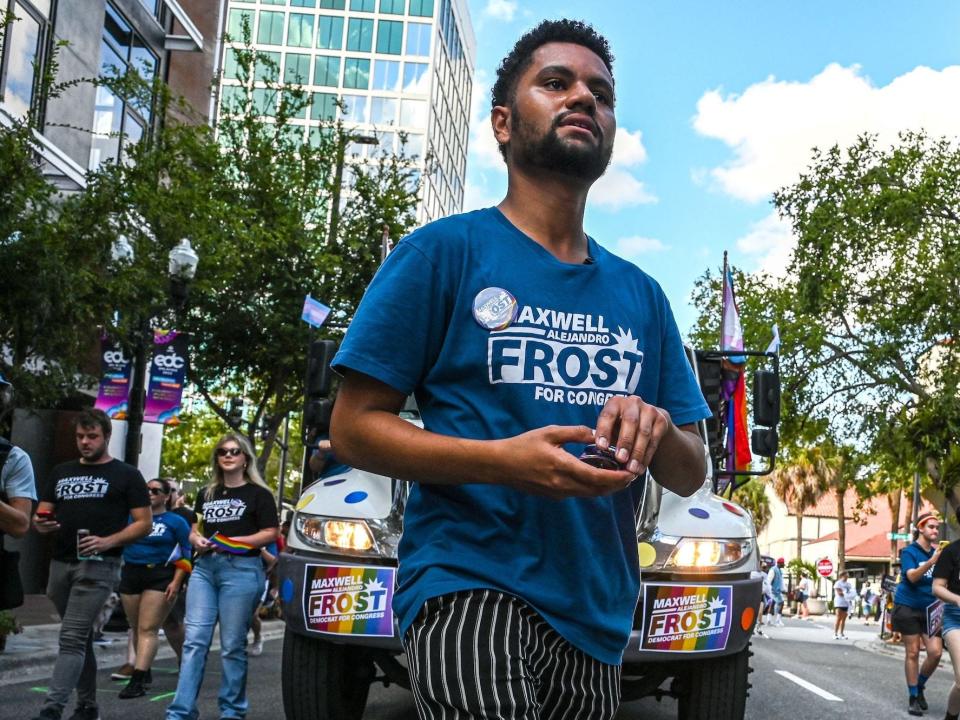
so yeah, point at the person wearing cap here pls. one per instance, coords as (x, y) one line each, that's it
(775, 576)
(914, 595)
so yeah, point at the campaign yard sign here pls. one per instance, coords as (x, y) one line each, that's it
(343, 600)
(686, 618)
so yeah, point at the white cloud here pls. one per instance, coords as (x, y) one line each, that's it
(618, 188)
(772, 125)
(770, 242)
(638, 245)
(478, 193)
(501, 9)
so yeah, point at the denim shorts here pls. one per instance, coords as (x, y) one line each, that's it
(951, 618)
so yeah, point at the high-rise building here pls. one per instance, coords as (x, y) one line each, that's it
(395, 65)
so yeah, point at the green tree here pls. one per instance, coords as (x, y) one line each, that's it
(753, 497)
(800, 482)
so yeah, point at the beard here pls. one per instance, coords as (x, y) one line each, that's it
(95, 454)
(548, 152)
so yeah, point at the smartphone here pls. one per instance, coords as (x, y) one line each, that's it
(48, 515)
(944, 543)
(603, 459)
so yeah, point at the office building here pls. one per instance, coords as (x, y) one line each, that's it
(396, 65)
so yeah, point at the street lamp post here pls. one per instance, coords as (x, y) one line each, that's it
(182, 267)
(342, 142)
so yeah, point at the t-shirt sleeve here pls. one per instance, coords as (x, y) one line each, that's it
(266, 511)
(405, 309)
(679, 393)
(137, 495)
(18, 479)
(48, 493)
(182, 534)
(908, 561)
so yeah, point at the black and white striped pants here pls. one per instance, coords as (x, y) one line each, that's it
(483, 654)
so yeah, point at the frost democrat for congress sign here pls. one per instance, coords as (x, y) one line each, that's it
(565, 357)
(342, 600)
(686, 618)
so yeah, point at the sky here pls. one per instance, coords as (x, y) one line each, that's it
(719, 104)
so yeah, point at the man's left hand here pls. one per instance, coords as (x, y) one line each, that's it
(94, 545)
(635, 428)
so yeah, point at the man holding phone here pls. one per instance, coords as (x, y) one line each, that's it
(94, 506)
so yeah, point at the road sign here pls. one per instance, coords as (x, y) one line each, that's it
(898, 536)
(825, 567)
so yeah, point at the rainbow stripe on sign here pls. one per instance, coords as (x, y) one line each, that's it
(228, 544)
(345, 600)
(686, 618)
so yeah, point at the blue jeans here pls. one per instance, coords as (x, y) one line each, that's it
(226, 588)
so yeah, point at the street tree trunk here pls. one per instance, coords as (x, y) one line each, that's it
(893, 501)
(841, 532)
(799, 534)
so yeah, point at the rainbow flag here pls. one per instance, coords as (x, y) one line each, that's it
(228, 544)
(179, 560)
(738, 442)
(686, 618)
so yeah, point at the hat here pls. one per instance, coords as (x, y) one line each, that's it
(922, 520)
(780, 561)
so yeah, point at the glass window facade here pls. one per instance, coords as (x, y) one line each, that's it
(383, 111)
(297, 69)
(413, 113)
(324, 106)
(332, 4)
(416, 78)
(418, 39)
(363, 6)
(356, 73)
(267, 66)
(270, 30)
(22, 51)
(389, 37)
(421, 8)
(386, 75)
(326, 71)
(329, 32)
(300, 30)
(360, 35)
(355, 108)
(235, 24)
(392, 7)
(303, 3)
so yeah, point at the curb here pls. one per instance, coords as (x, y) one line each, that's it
(25, 667)
(879, 647)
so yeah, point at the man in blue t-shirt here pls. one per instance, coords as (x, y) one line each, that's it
(523, 340)
(910, 604)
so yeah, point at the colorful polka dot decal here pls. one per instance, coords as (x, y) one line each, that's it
(699, 513)
(355, 497)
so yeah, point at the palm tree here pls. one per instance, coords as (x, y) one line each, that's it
(800, 484)
(753, 497)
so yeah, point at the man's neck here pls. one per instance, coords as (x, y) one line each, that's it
(549, 209)
(924, 543)
(102, 460)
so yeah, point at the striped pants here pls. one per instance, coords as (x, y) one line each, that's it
(486, 655)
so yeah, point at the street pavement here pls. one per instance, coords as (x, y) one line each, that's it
(799, 670)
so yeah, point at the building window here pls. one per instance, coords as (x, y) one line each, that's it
(297, 69)
(326, 71)
(265, 101)
(231, 68)
(383, 111)
(421, 8)
(386, 75)
(303, 3)
(332, 4)
(273, 2)
(415, 78)
(267, 66)
(418, 39)
(389, 37)
(324, 106)
(271, 28)
(119, 122)
(413, 113)
(22, 56)
(235, 24)
(360, 35)
(414, 146)
(392, 7)
(300, 30)
(363, 5)
(355, 108)
(330, 33)
(151, 6)
(356, 73)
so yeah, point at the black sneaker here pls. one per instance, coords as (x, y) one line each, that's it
(134, 689)
(914, 707)
(921, 700)
(148, 677)
(85, 712)
(48, 713)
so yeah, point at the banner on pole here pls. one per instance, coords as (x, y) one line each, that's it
(314, 312)
(115, 368)
(168, 373)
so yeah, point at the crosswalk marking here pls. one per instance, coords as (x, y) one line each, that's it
(809, 686)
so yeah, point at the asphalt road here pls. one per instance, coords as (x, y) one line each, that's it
(801, 669)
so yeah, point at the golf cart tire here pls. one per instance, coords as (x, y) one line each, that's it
(322, 680)
(715, 689)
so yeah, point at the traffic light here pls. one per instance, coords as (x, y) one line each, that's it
(317, 407)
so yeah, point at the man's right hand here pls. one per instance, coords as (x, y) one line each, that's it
(535, 462)
(45, 525)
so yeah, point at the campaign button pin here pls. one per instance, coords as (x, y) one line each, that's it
(494, 308)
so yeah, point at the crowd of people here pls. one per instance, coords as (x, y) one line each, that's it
(181, 570)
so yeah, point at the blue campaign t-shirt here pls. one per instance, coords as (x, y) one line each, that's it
(583, 333)
(168, 531)
(919, 594)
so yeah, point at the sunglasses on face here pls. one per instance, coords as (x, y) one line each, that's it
(232, 452)
(156, 491)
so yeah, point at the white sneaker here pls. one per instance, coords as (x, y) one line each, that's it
(779, 623)
(257, 648)
(843, 637)
(836, 637)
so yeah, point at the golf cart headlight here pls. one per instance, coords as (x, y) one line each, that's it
(338, 534)
(700, 553)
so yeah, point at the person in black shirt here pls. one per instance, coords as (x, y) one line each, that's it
(86, 505)
(946, 587)
(236, 517)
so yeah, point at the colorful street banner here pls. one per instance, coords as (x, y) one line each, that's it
(738, 441)
(168, 373)
(686, 618)
(115, 370)
(314, 312)
(342, 600)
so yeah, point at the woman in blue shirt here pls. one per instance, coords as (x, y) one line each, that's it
(154, 568)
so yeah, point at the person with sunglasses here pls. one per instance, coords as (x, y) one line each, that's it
(237, 516)
(154, 569)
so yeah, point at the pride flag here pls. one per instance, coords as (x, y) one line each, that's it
(738, 444)
(228, 544)
(732, 329)
(180, 560)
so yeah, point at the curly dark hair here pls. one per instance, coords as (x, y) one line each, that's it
(564, 31)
